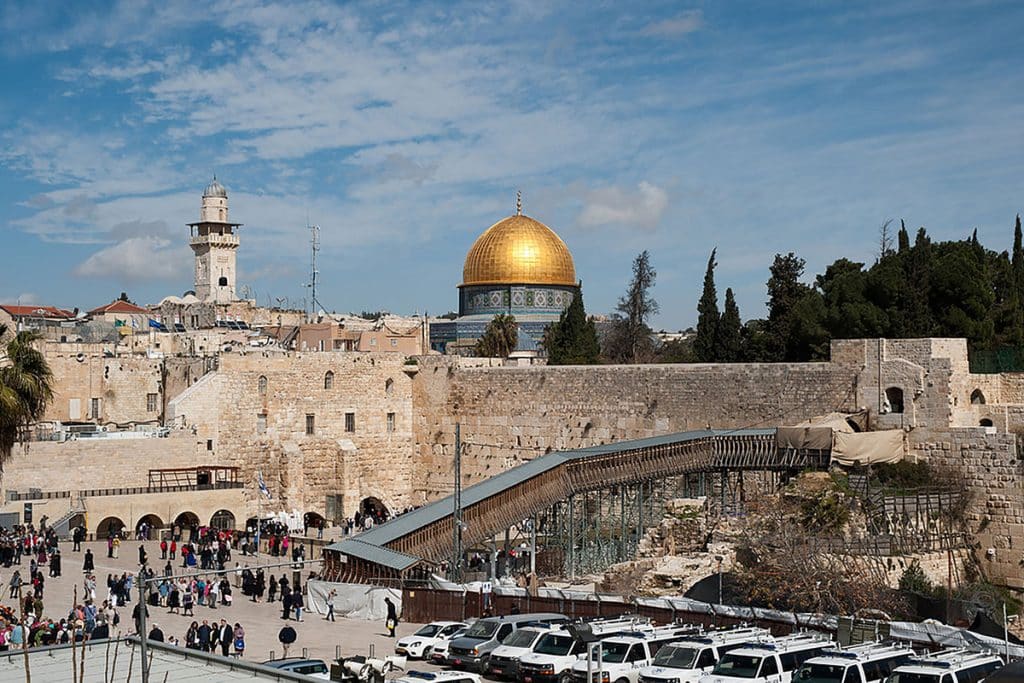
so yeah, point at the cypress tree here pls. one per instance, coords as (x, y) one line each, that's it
(573, 339)
(1017, 260)
(904, 238)
(729, 342)
(704, 347)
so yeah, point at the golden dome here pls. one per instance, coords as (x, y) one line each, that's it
(519, 251)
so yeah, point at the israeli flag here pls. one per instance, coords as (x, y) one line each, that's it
(263, 485)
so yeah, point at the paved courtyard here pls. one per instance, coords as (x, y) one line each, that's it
(261, 621)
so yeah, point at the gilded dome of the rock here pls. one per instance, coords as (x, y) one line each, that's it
(519, 250)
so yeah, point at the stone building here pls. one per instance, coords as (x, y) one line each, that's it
(214, 239)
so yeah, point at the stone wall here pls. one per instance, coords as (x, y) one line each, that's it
(991, 471)
(122, 385)
(509, 415)
(97, 463)
(266, 430)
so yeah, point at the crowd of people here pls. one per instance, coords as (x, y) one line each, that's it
(24, 620)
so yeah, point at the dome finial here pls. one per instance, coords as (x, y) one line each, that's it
(519, 202)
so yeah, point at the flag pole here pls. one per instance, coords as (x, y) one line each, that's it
(259, 512)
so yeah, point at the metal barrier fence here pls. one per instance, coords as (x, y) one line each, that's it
(423, 605)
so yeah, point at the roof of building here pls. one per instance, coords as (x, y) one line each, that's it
(119, 306)
(215, 189)
(519, 250)
(36, 311)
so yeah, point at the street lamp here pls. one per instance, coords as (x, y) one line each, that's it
(719, 559)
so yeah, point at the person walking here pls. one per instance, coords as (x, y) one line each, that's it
(88, 564)
(330, 604)
(286, 605)
(286, 637)
(273, 589)
(392, 620)
(297, 602)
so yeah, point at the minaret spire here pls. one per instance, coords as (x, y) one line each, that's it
(519, 202)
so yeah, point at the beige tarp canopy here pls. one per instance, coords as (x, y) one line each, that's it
(868, 448)
(815, 433)
(849, 447)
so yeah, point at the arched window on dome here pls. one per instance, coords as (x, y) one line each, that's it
(262, 385)
(329, 380)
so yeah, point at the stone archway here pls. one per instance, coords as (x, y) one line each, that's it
(152, 522)
(188, 522)
(371, 506)
(223, 520)
(312, 520)
(109, 526)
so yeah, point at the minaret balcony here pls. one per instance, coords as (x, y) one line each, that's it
(215, 240)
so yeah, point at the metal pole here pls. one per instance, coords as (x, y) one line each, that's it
(494, 558)
(456, 573)
(533, 548)
(143, 636)
(572, 539)
(1006, 635)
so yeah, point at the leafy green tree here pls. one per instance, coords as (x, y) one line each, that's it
(499, 338)
(629, 340)
(26, 387)
(729, 335)
(573, 339)
(704, 348)
(795, 313)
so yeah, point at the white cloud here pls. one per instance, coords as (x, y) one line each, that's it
(679, 25)
(136, 259)
(640, 208)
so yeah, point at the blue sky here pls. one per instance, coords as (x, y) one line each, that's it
(404, 130)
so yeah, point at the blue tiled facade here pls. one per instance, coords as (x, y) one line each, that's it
(533, 306)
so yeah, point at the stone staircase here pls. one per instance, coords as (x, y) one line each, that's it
(62, 525)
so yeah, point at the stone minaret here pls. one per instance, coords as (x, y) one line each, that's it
(214, 241)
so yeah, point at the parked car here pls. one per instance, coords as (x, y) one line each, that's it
(472, 650)
(770, 661)
(504, 659)
(439, 652)
(867, 663)
(314, 668)
(685, 660)
(420, 644)
(555, 653)
(623, 656)
(439, 677)
(948, 666)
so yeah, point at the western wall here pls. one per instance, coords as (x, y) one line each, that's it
(383, 428)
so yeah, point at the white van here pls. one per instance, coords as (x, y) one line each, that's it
(769, 661)
(947, 666)
(555, 653)
(683, 661)
(867, 663)
(623, 656)
(504, 659)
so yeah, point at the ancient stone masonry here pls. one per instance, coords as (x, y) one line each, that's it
(992, 474)
(509, 415)
(117, 389)
(327, 430)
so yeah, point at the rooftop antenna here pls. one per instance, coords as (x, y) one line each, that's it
(314, 242)
(519, 202)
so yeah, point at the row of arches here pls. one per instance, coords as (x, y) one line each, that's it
(221, 519)
(894, 399)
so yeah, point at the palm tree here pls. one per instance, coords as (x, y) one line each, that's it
(26, 386)
(499, 339)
